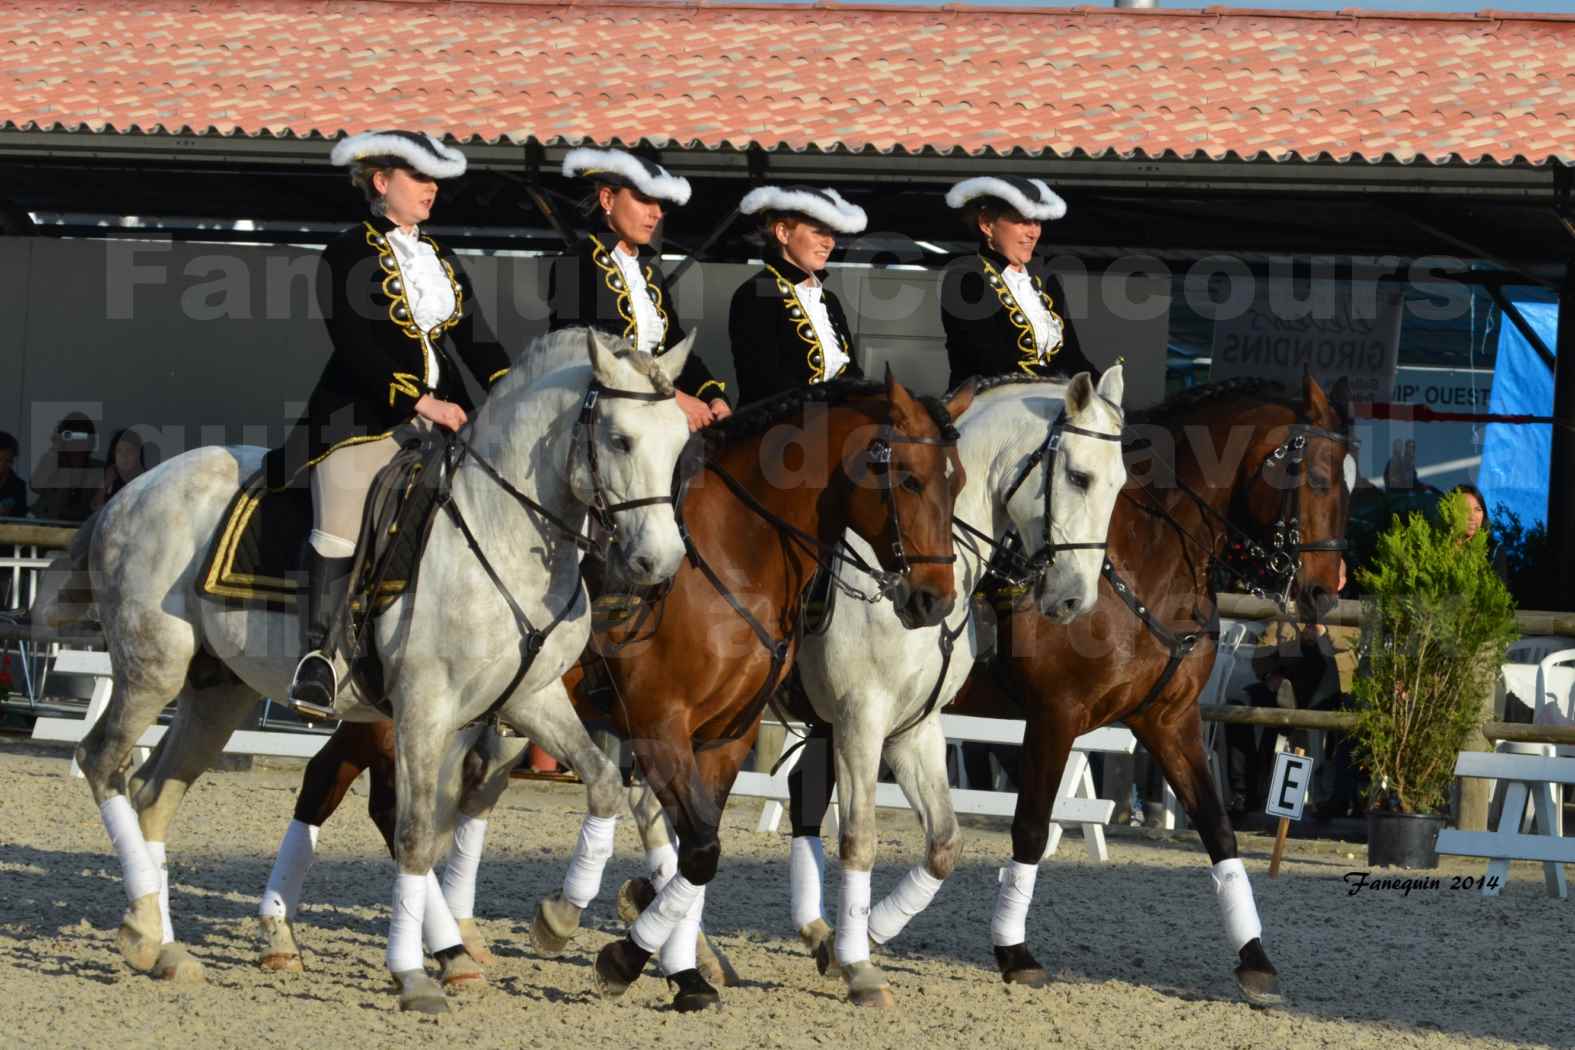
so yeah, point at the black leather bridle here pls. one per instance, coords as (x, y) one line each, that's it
(1044, 458)
(879, 457)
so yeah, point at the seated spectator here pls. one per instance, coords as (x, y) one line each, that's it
(68, 478)
(1311, 668)
(13, 490)
(127, 459)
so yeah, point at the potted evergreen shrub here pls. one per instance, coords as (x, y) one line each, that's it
(1435, 623)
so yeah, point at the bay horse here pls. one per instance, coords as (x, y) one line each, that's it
(1044, 461)
(582, 423)
(777, 486)
(1235, 461)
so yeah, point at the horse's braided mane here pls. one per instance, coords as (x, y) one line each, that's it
(985, 384)
(754, 419)
(1166, 412)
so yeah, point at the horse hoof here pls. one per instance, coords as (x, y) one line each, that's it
(634, 897)
(280, 952)
(1257, 978)
(1018, 966)
(475, 944)
(820, 939)
(714, 964)
(692, 993)
(618, 965)
(177, 964)
(460, 973)
(419, 993)
(141, 931)
(1258, 987)
(867, 986)
(555, 924)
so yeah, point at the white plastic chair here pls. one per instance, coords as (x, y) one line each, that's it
(1551, 702)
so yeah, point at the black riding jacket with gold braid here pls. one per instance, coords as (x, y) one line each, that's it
(588, 289)
(775, 346)
(377, 370)
(987, 334)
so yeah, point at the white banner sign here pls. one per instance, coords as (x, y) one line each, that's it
(1322, 328)
(1288, 789)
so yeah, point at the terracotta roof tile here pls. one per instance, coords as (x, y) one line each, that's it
(1289, 84)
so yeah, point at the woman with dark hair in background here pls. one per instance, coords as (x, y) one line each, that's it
(614, 282)
(1476, 521)
(127, 461)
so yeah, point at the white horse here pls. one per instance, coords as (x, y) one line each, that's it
(882, 686)
(450, 650)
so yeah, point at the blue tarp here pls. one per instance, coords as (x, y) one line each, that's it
(1515, 456)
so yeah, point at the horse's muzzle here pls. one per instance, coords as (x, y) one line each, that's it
(922, 607)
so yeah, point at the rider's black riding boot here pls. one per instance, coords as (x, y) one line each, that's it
(316, 684)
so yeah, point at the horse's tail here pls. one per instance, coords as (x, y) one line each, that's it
(65, 588)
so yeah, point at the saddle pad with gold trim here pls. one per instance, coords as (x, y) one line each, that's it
(255, 556)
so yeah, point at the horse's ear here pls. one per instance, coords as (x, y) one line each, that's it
(602, 355)
(1340, 398)
(1079, 394)
(962, 397)
(673, 361)
(1113, 384)
(1314, 401)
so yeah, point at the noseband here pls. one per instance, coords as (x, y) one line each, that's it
(879, 457)
(1044, 456)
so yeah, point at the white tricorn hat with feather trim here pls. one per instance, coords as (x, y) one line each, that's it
(1030, 198)
(625, 169)
(825, 206)
(413, 149)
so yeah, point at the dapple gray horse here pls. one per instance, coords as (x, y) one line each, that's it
(451, 650)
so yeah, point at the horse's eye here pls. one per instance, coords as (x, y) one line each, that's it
(1079, 479)
(620, 442)
(913, 484)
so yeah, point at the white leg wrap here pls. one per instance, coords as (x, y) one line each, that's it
(141, 875)
(1237, 907)
(678, 954)
(662, 863)
(404, 929)
(806, 878)
(584, 879)
(853, 920)
(1009, 925)
(464, 860)
(161, 860)
(438, 928)
(656, 924)
(912, 895)
(297, 851)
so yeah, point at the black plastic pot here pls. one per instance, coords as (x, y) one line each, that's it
(1402, 840)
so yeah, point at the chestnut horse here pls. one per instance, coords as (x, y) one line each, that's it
(692, 670)
(1230, 461)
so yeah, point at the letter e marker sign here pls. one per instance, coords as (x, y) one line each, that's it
(1287, 796)
(1288, 788)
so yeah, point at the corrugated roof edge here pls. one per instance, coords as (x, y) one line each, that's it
(1322, 157)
